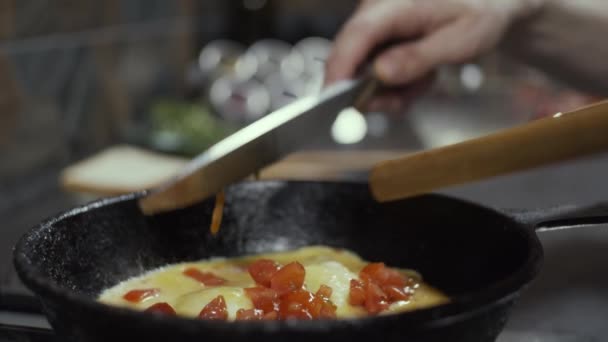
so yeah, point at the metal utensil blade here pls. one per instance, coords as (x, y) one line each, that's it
(257, 145)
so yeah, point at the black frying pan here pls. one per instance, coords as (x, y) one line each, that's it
(482, 258)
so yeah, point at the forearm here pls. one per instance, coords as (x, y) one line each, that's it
(567, 39)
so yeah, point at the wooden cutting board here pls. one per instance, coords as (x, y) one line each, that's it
(124, 169)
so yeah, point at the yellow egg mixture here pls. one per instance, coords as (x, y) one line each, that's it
(324, 266)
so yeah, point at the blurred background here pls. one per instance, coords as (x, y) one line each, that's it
(80, 76)
(176, 76)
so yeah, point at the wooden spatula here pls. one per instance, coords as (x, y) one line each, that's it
(559, 138)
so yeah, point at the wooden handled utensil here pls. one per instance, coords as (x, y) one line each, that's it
(256, 146)
(545, 141)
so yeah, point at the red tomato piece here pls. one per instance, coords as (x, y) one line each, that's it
(382, 275)
(263, 299)
(314, 306)
(376, 300)
(162, 308)
(137, 296)
(395, 293)
(262, 271)
(271, 316)
(328, 311)
(295, 305)
(215, 310)
(207, 278)
(379, 287)
(324, 291)
(356, 295)
(370, 270)
(288, 279)
(249, 315)
(322, 308)
(394, 278)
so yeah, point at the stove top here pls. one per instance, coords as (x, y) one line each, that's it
(40, 332)
(44, 334)
(567, 302)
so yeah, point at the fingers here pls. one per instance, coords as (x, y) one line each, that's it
(391, 102)
(448, 45)
(397, 100)
(374, 24)
(426, 35)
(365, 3)
(409, 61)
(402, 64)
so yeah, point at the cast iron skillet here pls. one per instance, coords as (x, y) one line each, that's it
(482, 258)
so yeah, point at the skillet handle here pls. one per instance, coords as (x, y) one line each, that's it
(561, 217)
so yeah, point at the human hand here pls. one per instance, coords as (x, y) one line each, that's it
(423, 35)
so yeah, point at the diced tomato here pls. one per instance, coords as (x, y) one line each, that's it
(137, 296)
(324, 291)
(295, 305)
(357, 293)
(263, 299)
(215, 310)
(328, 311)
(382, 275)
(315, 306)
(378, 288)
(301, 304)
(394, 278)
(162, 308)
(249, 315)
(376, 300)
(288, 279)
(395, 293)
(370, 270)
(322, 308)
(271, 316)
(207, 278)
(262, 271)
(256, 315)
